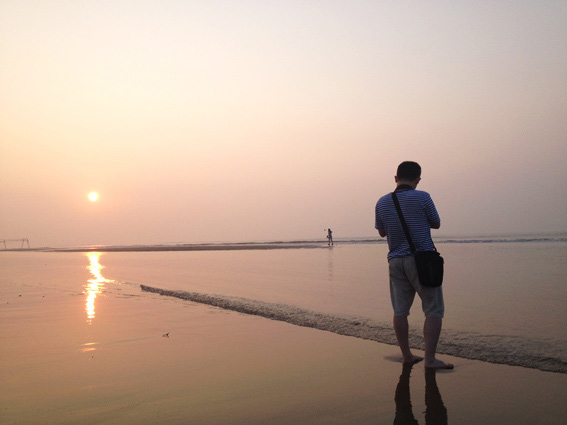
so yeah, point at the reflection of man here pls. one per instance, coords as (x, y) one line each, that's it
(421, 216)
(435, 410)
(404, 411)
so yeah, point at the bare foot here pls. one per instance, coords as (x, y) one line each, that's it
(413, 360)
(438, 364)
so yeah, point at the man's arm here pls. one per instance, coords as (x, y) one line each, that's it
(431, 213)
(379, 225)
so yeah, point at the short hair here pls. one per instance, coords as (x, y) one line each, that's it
(409, 170)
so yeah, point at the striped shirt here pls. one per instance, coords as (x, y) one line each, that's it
(419, 212)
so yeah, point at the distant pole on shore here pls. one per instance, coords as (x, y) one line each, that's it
(23, 241)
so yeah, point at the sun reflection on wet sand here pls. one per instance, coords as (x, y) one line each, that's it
(88, 346)
(95, 285)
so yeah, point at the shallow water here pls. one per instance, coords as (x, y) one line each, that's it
(497, 294)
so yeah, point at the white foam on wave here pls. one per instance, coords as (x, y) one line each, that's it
(500, 349)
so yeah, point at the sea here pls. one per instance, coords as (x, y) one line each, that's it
(505, 296)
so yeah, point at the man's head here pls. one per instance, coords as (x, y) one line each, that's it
(408, 172)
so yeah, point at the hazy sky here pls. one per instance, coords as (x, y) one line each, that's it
(262, 120)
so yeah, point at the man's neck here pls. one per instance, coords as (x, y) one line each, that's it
(404, 186)
(411, 183)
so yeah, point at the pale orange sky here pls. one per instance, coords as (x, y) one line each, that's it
(237, 121)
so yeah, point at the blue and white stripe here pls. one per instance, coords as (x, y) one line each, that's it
(419, 212)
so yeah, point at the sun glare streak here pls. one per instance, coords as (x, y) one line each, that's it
(94, 286)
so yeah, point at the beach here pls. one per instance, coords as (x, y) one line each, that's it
(191, 193)
(82, 343)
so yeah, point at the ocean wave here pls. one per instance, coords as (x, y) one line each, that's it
(501, 349)
(192, 247)
(465, 240)
(235, 246)
(502, 240)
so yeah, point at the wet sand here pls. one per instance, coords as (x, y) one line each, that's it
(62, 363)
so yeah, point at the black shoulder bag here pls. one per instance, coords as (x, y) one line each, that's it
(429, 263)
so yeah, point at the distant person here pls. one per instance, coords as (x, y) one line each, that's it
(421, 215)
(330, 236)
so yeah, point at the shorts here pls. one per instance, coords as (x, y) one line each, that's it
(404, 283)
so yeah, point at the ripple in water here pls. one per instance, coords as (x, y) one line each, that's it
(501, 349)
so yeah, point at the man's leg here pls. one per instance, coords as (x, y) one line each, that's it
(402, 294)
(431, 332)
(401, 327)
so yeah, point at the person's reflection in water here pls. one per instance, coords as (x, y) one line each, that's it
(404, 411)
(435, 411)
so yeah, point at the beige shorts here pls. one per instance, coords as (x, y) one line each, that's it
(404, 283)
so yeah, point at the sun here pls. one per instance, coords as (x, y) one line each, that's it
(93, 196)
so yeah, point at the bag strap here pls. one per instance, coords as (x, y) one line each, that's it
(403, 221)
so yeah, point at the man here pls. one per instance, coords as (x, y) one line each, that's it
(421, 216)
